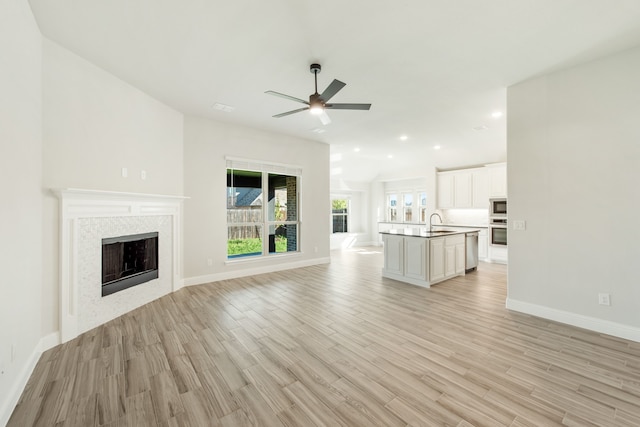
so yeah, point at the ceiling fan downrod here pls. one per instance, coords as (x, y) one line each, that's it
(315, 69)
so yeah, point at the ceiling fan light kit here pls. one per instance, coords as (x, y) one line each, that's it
(317, 104)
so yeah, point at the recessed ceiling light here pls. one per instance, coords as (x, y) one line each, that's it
(436, 147)
(496, 114)
(480, 128)
(223, 107)
(403, 137)
(389, 156)
(357, 149)
(318, 130)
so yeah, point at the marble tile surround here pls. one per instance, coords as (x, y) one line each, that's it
(93, 308)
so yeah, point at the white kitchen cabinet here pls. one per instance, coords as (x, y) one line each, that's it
(461, 259)
(455, 252)
(445, 186)
(497, 180)
(449, 261)
(447, 257)
(393, 254)
(483, 244)
(465, 188)
(498, 254)
(423, 261)
(480, 186)
(415, 257)
(436, 259)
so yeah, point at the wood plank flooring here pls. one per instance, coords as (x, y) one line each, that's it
(335, 345)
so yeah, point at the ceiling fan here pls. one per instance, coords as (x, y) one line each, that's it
(318, 103)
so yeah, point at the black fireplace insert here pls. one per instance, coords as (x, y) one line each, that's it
(128, 261)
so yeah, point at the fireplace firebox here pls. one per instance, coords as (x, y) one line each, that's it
(128, 261)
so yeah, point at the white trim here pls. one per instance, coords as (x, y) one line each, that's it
(82, 203)
(216, 277)
(586, 322)
(262, 166)
(270, 257)
(15, 391)
(49, 341)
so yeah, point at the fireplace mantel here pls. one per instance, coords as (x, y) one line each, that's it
(86, 216)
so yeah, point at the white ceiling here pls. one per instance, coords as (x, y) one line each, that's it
(433, 69)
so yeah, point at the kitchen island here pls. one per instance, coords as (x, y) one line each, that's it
(422, 257)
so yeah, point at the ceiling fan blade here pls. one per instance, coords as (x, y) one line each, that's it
(282, 95)
(291, 112)
(332, 89)
(348, 106)
(324, 118)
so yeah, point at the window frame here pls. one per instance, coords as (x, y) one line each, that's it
(347, 214)
(390, 207)
(266, 224)
(417, 209)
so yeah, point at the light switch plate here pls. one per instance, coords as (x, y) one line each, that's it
(519, 224)
(604, 299)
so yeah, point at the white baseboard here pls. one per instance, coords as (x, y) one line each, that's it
(11, 400)
(199, 280)
(49, 341)
(586, 322)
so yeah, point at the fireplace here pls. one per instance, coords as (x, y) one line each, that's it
(87, 217)
(128, 261)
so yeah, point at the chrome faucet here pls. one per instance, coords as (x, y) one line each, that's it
(431, 220)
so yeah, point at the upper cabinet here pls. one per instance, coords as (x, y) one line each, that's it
(480, 177)
(445, 183)
(463, 190)
(497, 180)
(471, 188)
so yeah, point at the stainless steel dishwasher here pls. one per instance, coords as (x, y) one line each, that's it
(471, 261)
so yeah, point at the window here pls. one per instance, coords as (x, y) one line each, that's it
(339, 215)
(392, 208)
(262, 211)
(407, 207)
(422, 205)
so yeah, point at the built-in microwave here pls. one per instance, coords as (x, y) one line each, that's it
(497, 207)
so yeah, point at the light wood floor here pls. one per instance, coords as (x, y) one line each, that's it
(335, 345)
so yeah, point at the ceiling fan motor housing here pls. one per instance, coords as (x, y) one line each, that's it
(315, 68)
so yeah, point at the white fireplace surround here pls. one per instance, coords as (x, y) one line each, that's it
(88, 216)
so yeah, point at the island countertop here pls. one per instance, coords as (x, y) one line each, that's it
(424, 232)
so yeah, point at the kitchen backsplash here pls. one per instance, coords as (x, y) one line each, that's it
(465, 216)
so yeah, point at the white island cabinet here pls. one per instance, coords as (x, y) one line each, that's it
(422, 258)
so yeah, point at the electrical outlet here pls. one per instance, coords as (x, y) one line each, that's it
(519, 224)
(125, 172)
(604, 299)
(209, 262)
(143, 174)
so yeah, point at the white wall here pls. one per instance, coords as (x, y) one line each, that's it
(574, 169)
(20, 186)
(94, 125)
(358, 194)
(207, 142)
